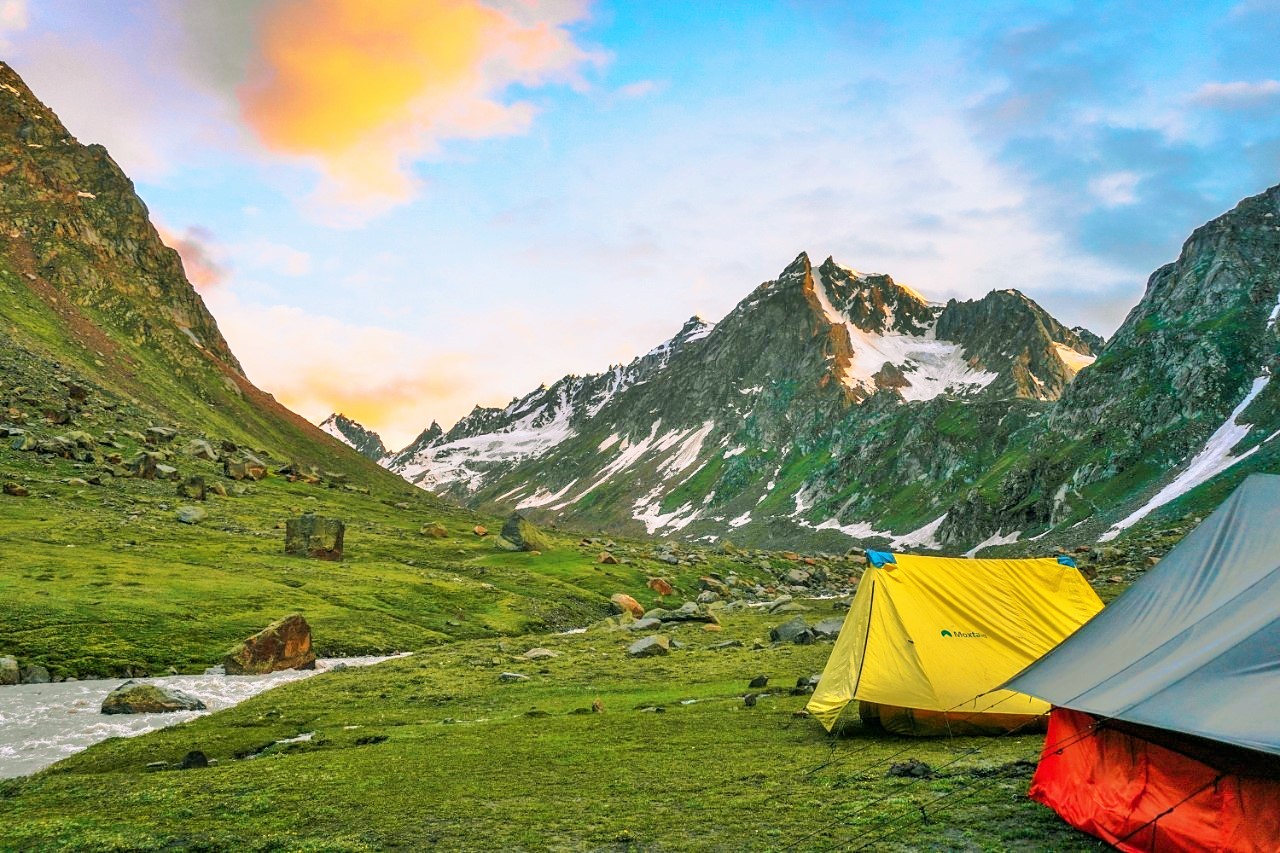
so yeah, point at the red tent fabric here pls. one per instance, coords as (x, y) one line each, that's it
(1141, 795)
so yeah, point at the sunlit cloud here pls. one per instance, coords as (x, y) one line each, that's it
(316, 364)
(365, 90)
(200, 258)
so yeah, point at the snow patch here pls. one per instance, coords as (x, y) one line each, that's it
(735, 451)
(931, 366)
(607, 443)
(994, 539)
(745, 518)
(1076, 361)
(1214, 458)
(543, 496)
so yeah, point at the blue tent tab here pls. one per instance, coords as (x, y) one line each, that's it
(1066, 561)
(880, 558)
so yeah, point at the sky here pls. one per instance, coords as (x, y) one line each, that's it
(401, 209)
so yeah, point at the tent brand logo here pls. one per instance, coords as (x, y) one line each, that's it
(964, 634)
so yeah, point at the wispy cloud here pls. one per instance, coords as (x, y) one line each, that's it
(1237, 94)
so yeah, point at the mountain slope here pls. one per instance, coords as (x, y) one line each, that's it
(732, 429)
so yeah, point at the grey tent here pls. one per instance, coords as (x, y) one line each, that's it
(1167, 703)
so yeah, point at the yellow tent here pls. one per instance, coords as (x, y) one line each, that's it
(926, 638)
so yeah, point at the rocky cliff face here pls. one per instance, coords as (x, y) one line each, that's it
(1181, 393)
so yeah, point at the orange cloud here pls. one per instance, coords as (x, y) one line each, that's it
(365, 88)
(194, 246)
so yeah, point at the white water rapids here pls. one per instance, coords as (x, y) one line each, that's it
(44, 723)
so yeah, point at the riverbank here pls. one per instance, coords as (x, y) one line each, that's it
(41, 724)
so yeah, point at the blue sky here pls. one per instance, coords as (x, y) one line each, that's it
(569, 181)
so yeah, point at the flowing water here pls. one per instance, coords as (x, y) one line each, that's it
(44, 723)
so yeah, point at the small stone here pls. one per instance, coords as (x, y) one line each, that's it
(623, 603)
(750, 699)
(759, 681)
(607, 559)
(652, 646)
(727, 644)
(16, 490)
(661, 586)
(480, 530)
(192, 488)
(540, 654)
(911, 769)
(191, 514)
(509, 677)
(434, 530)
(597, 707)
(793, 631)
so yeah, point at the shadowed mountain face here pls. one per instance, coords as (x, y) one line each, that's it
(835, 406)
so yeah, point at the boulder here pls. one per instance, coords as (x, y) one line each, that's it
(645, 624)
(690, 611)
(134, 698)
(797, 577)
(160, 434)
(623, 603)
(435, 530)
(217, 488)
(192, 488)
(143, 465)
(9, 672)
(607, 559)
(651, 646)
(509, 677)
(200, 449)
(540, 653)
(35, 674)
(794, 631)
(828, 629)
(16, 490)
(711, 584)
(249, 468)
(24, 442)
(480, 530)
(314, 536)
(707, 597)
(660, 586)
(524, 534)
(166, 472)
(191, 514)
(282, 645)
(193, 760)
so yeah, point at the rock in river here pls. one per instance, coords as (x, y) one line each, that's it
(282, 645)
(134, 698)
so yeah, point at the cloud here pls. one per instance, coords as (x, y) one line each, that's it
(273, 257)
(200, 256)
(13, 16)
(365, 90)
(638, 89)
(316, 364)
(1237, 94)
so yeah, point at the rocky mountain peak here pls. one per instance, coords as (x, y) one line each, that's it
(365, 441)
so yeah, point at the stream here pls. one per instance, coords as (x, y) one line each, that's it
(44, 723)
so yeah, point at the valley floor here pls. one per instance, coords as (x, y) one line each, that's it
(436, 751)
